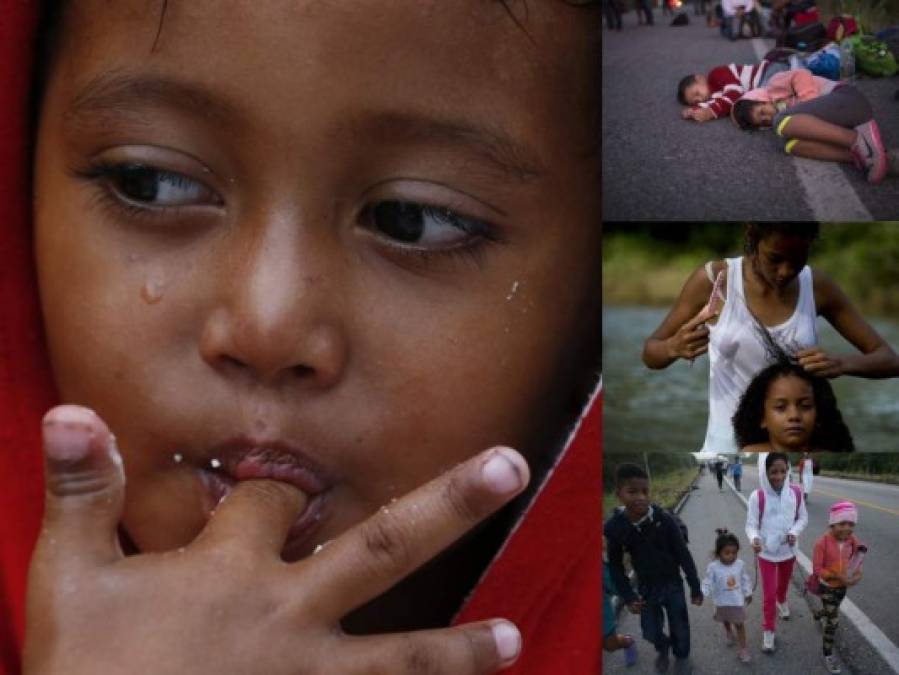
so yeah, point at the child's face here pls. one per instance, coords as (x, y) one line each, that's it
(698, 91)
(790, 413)
(728, 554)
(781, 257)
(842, 530)
(634, 495)
(777, 474)
(347, 245)
(762, 114)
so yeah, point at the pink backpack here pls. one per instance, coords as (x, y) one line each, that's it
(761, 498)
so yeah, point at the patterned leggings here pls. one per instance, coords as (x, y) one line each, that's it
(830, 611)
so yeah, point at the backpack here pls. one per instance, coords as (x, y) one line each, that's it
(841, 26)
(807, 37)
(761, 497)
(680, 524)
(680, 20)
(825, 62)
(873, 57)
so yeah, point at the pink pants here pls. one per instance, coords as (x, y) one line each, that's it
(775, 576)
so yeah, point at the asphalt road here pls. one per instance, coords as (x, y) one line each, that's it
(799, 639)
(657, 166)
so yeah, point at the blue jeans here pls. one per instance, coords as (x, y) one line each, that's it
(727, 27)
(670, 600)
(643, 5)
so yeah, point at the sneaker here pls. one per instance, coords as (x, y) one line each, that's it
(830, 662)
(662, 662)
(768, 641)
(868, 151)
(784, 611)
(743, 655)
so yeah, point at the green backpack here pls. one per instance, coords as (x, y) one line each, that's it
(872, 57)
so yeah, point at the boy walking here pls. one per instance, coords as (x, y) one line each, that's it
(658, 553)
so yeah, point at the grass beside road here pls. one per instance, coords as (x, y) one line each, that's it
(666, 490)
(873, 14)
(888, 478)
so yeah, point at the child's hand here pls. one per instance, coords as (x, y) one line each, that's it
(791, 539)
(748, 599)
(635, 606)
(757, 545)
(698, 114)
(816, 361)
(227, 603)
(696, 600)
(854, 579)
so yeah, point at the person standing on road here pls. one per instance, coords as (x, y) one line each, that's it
(837, 562)
(806, 474)
(613, 14)
(775, 517)
(719, 473)
(772, 285)
(728, 584)
(658, 554)
(737, 472)
(644, 9)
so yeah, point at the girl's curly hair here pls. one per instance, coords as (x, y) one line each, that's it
(830, 433)
(725, 538)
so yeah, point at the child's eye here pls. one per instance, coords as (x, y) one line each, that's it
(425, 227)
(143, 186)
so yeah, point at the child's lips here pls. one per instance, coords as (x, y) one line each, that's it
(243, 459)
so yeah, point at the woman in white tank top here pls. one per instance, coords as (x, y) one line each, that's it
(773, 285)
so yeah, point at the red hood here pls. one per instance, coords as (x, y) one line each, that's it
(546, 578)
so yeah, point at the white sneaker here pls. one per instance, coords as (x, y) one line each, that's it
(831, 664)
(784, 611)
(768, 641)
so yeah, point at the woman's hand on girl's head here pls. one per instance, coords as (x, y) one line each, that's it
(227, 603)
(817, 362)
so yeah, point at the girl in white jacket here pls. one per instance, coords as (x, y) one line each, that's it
(774, 519)
(728, 584)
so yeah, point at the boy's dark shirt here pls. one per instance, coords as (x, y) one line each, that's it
(657, 550)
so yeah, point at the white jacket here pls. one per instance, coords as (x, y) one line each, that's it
(778, 521)
(728, 585)
(730, 6)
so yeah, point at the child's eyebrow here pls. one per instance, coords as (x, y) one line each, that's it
(114, 94)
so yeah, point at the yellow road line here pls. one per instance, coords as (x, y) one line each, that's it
(856, 501)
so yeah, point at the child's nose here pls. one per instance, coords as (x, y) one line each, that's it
(276, 316)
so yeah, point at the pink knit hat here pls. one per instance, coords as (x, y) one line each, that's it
(842, 512)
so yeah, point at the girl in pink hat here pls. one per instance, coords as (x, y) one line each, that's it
(837, 564)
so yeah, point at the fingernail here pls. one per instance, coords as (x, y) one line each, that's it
(508, 640)
(65, 441)
(501, 473)
(68, 430)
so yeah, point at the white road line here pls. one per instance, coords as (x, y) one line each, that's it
(827, 192)
(869, 630)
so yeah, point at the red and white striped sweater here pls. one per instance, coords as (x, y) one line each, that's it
(728, 83)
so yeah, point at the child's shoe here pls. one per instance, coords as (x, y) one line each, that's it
(868, 151)
(784, 611)
(768, 641)
(743, 655)
(830, 662)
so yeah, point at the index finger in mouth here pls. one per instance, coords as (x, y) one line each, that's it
(375, 554)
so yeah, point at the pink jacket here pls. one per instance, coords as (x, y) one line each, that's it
(830, 557)
(792, 87)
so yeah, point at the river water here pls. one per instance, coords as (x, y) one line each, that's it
(666, 410)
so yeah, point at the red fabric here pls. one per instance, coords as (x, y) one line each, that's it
(25, 389)
(547, 579)
(726, 86)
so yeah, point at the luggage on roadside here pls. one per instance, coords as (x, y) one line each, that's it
(842, 26)
(873, 57)
(806, 38)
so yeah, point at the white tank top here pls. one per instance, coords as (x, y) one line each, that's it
(737, 354)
